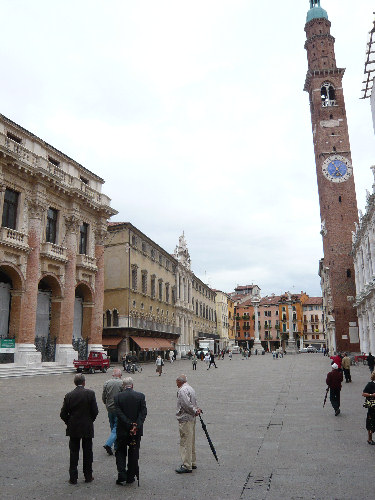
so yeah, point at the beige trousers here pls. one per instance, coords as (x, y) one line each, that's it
(187, 443)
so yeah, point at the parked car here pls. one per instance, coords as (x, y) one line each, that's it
(303, 349)
(311, 348)
(96, 361)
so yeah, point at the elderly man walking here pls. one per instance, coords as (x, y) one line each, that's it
(79, 412)
(187, 410)
(110, 389)
(131, 413)
(333, 380)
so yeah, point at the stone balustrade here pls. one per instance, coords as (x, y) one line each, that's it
(11, 237)
(55, 252)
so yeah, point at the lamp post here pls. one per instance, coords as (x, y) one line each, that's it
(255, 301)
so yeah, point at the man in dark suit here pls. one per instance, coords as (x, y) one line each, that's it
(131, 413)
(79, 411)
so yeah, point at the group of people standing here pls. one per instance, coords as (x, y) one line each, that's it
(127, 412)
(340, 368)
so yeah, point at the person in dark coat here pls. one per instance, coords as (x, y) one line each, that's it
(131, 412)
(79, 411)
(371, 362)
(369, 394)
(333, 380)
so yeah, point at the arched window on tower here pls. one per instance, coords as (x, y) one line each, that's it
(115, 317)
(327, 95)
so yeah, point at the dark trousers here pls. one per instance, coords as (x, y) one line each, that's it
(334, 397)
(74, 444)
(212, 363)
(194, 366)
(125, 449)
(348, 377)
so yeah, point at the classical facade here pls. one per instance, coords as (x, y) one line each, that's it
(53, 225)
(195, 303)
(140, 294)
(364, 265)
(222, 318)
(337, 197)
(153, 302)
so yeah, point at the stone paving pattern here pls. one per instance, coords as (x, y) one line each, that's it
(265, 417)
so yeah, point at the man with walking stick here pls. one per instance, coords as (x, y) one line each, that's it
(187, 411)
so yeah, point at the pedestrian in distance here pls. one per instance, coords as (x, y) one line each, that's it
(230, 355)
(207, 359)
(171, 356)
(159, 365)
(370, 362)
(369, 394)
(212, 360)
(131, 413)
(110, 389)
(333, 380)
(187, 411)
(345, 363)
(194, 360)
(79, 412)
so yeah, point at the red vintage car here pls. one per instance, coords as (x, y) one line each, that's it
(96, 361)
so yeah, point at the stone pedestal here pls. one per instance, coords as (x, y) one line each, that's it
(26, 355)
(65, 354)
(257, 347)
(291, 348)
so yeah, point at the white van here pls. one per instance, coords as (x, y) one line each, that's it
(235, 349)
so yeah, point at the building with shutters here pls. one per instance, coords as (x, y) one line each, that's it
(53, 225)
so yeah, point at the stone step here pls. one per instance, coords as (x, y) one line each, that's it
(20, 371)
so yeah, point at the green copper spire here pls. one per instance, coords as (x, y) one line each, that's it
(316, 12)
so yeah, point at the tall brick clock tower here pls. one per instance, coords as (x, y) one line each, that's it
(337, 198)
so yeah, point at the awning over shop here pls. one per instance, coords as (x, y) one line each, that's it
(164, 344)
(111, 342)
(152, 343)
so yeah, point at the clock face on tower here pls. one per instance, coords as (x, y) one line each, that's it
(337, 168)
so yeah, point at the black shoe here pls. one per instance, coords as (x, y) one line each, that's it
(183, 470)
(72, 481)
(130, 480)
(337, 412)
(108, 449)
(89, 479)
(371, 442)
(121, 483)
(193, 467)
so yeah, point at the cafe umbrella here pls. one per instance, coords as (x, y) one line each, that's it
(209, 439)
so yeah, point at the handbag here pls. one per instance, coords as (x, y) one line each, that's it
(369, 403)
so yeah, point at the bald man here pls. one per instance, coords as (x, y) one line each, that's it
(110, 389)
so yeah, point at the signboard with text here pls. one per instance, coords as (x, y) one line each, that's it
(7, 346)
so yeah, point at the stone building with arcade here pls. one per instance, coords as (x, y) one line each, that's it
(53, 225)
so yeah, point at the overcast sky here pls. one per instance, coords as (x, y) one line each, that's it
(194, 114)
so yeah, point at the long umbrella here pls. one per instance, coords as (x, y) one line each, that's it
(209, 439)
(325, 397)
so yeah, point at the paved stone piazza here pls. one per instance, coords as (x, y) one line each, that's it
(273, 437)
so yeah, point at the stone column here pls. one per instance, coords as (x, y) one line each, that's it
(360, 328)
(371, 336)
(65, 354)
(291, 348)
(96, 341)
(255, 301)
(25, 352)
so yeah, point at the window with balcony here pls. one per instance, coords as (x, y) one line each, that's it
(51, 229)
(83, 238)
(10, 209)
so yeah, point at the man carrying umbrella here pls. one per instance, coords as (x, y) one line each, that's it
(187, 411)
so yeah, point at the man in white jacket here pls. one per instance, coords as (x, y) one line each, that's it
(187, 410)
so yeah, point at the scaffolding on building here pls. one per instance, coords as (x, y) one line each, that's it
(369, 64)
